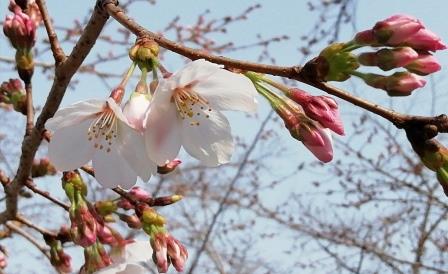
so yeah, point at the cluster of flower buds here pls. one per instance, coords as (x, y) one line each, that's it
(308, 118)
(405, 43)
(42, 167)
(166, 249)
(3, 255)
(144, 53)
(83, 223)
(58, 258)
(433, 154)
(95, 258)
(20, 28)
(12, 94)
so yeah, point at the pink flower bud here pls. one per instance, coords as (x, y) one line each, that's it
(132, 221)
(425, 64)
(388, 59)
(170, 166)
(125, 204)
(323, 109)
(424, 40)
(397, 84)
(58, 258)
(20, 29)
(12, 92)
(177, 253)
(318, 140)
(396, 29)
(365, 37)
(135, 110)
(160, 251)
(140, 194)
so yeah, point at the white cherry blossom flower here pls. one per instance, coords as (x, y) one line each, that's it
(97, 130)
(186, 111)
(131, 260)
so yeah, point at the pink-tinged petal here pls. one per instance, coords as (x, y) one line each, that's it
(396, 29)
(208, 139)
(69, 147)
(132, 147)
(123, 268)
(116, 109)
(162, 134)
(225, 90)
(424, 65)
(75, 114)
(323, 152)
(138, 251)
(135, 110)
(425, 40)
(112, 170)
(198, 70)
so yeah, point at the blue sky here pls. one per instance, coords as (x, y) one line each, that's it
(274, 18)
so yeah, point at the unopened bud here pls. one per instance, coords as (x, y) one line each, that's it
(387, 59)
(13, 93)
(150, 216)
(139, 194)
(167, 200)
(131, 220)
(170, 166)
(105, 207)
(397, 84)
(425, 64)
(20, 29)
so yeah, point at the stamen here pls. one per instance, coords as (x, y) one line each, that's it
(103, 130)
(185, 100)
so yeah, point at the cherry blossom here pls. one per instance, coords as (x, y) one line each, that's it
(186, 111)
(97, 130)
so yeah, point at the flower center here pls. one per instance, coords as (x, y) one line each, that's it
(103, 130)
(190, 105)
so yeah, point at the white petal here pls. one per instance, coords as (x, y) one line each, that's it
(74, 114)
(225, 90)
(162, 134)
(69, 147)
(112, 170)
(132, 147)
(116, 109)
(135, 110)
(123, 268)
(139, 251)
(198, 70)
(211, 141)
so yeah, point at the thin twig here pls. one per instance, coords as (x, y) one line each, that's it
(29, 237)
(29, 108)
(222, 203)
(39, 229)
(58, 53)
(32, 186)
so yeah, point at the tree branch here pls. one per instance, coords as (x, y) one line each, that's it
(58, 53)
(64, 72)
(294, 72)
